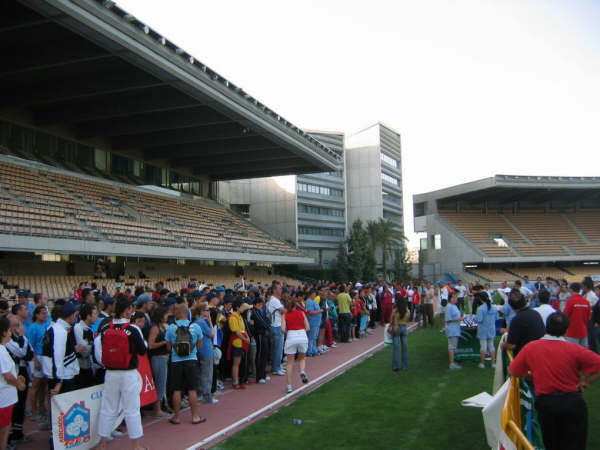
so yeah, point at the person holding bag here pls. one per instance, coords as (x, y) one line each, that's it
(399, 333)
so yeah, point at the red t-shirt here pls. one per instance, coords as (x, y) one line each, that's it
(294, 320)
(416, 298)
(554, 364)
(579, 312)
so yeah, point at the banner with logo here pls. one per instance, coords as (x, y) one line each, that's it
(468, 345)
(148, 392)
(75, 414)
(75, 418)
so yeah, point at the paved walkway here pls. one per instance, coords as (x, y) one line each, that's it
(238, 409)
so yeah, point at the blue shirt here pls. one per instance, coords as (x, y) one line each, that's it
(452, 328)
(35, 335)
(486, 322)
(508, 313)
(206, 350)
(171, 335)
(27, 323)
(313, 320)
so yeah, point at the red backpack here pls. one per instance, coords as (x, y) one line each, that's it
(115, 348)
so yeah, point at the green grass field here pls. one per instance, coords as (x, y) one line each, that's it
(371, 407)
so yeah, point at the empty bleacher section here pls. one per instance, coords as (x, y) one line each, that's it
(49, 203)
(62, 286)
(493, 275)
(529, 233)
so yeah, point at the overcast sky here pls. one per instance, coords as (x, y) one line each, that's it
(476, 88)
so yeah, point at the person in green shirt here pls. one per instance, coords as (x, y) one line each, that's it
(345, 317)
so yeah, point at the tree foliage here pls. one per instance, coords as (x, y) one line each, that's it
(340, 264)
(402, 268)
(358, 246)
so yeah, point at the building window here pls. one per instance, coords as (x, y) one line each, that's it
(316, 231)
(389, 160)
(389, 179)
(309, 209)
(321, 190)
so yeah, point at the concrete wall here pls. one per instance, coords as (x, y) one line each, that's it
(363, 184)
(272, 203)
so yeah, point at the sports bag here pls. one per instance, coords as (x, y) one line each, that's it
(183, 341)
(115, 348)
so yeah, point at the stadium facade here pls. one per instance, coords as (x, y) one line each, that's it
(316, 215)
(509, 226)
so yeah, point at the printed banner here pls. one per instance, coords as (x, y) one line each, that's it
(468, 345)
(75, 414)
(148, 392)
(75, 418)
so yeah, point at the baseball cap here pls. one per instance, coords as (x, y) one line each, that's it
(228, 298)
(358, 285)
(441, 281)
(170, 301)
(108, 300)
(220, 288)
(22, 293)
(117, 286)
(210, 296)
(68, 309)
(192, 284)
(143, 298)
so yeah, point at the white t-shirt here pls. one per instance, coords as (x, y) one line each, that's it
(461, 290)
(8, 393)
(526, 292)
(273, 307)
(545, 310)
(592, 298)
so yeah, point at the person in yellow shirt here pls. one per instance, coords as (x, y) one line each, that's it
(345, 316)
(238, 341)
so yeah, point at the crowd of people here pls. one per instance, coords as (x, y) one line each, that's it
(201, 338)
(552, 331)
(198, 340)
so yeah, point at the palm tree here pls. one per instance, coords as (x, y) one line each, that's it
(387, 234)
(373, 232)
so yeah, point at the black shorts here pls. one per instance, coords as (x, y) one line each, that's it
(183, 375)
(237, 351)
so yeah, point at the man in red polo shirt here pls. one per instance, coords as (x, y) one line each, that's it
(556, 366)
(579, 311)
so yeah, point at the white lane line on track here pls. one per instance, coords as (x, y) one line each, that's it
(219, 434)
(277, 402)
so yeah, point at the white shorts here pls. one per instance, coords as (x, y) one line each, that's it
(296, 341)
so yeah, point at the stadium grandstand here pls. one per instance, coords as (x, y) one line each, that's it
(112, 141)
(508, 227)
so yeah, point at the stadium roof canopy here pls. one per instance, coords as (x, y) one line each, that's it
(88, 70)
(507, 189)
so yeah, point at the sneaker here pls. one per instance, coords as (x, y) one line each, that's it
(288, 389)
(238, 387)
(304, 377)
(455, 366)
(212, 401)
(350, 340)
(116, 434)
(220, 385)
(334, 345)
(493, 366)
(262, 381)
(268, 378)
(280, 373)
(481, 366)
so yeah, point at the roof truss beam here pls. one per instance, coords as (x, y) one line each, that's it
(184, 136)
(194, 116)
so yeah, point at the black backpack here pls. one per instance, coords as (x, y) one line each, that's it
(183, 341)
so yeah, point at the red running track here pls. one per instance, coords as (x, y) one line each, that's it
(243, 406)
